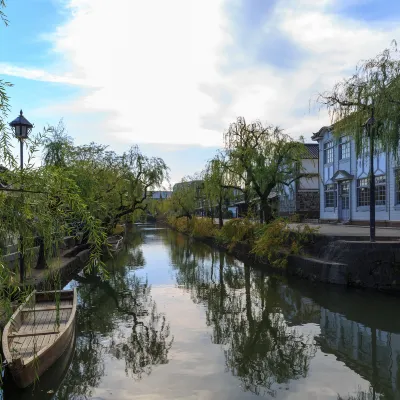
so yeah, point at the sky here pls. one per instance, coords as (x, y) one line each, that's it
(171, 75)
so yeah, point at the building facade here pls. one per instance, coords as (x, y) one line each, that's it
(344, 181)
(302, 196)
(161, 194)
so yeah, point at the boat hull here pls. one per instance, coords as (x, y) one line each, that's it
(49, 382)
(26, 371)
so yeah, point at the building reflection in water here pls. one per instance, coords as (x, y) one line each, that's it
(268, 329)
(258, 320)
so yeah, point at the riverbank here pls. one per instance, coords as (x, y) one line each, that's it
(349, 260)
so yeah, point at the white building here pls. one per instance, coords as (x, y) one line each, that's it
(344, 182)
(161, 194)
(302, 196)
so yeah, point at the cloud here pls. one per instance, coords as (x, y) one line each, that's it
(39, 75)
(148, 60)
(178, 71)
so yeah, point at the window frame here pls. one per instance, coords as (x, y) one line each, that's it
(380, 192)
(397, 187)
(329, 152)
(344, 144)
(329, 189)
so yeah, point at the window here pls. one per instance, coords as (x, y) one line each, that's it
(380, 190)
(363, 192)
(397, 187)
(344, 148)
(330, 195)
(328, 152)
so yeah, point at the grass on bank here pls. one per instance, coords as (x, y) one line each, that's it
(274, 241)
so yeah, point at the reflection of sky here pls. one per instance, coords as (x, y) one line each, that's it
(197, 367)
(157, 270)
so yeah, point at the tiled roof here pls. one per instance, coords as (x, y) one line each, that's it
(321, 132)
(312, 150)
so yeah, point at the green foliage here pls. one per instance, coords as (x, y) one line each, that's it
(196, 227)
(216, 190)
(238, 230)
(372, 91)
(186, 197)
(57, 145)
(181, 224)
(203, 227)
(112, 186)
(273, 238)
(3, 16)
(262, 159)
(277, 240)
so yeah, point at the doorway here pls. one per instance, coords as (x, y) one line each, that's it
(344, 201)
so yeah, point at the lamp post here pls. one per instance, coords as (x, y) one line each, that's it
(370, 122)
(21, 128)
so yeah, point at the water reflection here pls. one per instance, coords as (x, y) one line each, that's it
(117, 319)
(244, 313)
(256, 318)
(227, 331)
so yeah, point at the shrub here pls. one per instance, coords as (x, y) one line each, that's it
(238, 230)
(118, 230)
(276, 241)
(203, 227)
(271, 241)
(182, 224)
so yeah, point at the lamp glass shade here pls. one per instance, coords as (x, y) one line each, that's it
(21, 131)
(21, 126)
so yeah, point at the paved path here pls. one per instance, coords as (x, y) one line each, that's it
(353, 230)
(348, 230)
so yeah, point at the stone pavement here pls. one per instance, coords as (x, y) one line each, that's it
(353, 230)
(348, 230)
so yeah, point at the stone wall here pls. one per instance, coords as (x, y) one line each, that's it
(355, 262)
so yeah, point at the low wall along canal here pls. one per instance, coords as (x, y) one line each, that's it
(180, 319)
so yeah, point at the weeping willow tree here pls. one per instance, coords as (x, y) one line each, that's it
(367, 107)
(187, 196)
(262, 158)
(216, 188)
(113, 186)
(373, 91)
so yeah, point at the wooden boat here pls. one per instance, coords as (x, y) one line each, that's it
(49, 382)
(38, 333)
(115, 242)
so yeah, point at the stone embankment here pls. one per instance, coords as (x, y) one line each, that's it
(346, 259)
(68, 258)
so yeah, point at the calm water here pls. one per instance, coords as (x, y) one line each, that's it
(179, 320)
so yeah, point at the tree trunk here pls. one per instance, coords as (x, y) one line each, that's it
(41, 262)
(220, 219)
(265, 211)
(247, 285)
(221, 278)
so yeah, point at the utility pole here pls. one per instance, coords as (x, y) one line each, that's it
(370, 132)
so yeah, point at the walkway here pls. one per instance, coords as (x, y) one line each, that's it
(348, 230)
(353, 230)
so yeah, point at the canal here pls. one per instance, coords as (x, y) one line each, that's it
(179, 320)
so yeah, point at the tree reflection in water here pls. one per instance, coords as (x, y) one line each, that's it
(246, 314)
(362, 395)
(116, 318)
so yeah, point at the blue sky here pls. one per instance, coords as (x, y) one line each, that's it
(170, 75)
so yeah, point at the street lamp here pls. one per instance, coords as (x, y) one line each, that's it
(368, 125)
(21, 128)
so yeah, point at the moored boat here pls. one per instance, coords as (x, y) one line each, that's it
(38, 333)
(115, 242)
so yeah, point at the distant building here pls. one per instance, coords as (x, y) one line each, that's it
(302, 196)
(161, 194)
(344, 181)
